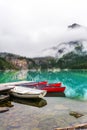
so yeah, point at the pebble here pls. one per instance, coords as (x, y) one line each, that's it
(76, 114)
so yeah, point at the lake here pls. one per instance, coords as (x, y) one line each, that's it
(48, 113)
(75, 81)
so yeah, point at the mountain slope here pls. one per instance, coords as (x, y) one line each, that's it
(77, 44)
(4, 65)
(71, 53)
(12, 61)
(78, 47)
(73, 61)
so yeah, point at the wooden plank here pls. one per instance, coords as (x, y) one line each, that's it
(15, 83)
(72, 127)
(5, 88)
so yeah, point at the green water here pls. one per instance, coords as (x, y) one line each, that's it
(75, 81)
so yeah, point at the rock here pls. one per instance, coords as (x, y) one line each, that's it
(76, 114)
(3, 109)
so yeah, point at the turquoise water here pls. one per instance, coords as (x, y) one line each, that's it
(75, 81)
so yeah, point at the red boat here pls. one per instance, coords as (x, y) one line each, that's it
(55, 84)
(34, 83)
(43, 85)
(54, 89)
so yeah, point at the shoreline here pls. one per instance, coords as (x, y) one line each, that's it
(53, 115)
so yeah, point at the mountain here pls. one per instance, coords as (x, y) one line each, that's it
(61, 49)
(76, 45)
(74, 25)
(71, 53)
(5, 64)
(12, 61)
(16, 62)
(73, 61)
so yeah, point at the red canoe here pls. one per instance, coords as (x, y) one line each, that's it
(34, 83)
(55, 84)
(42, 83)
(54, 89)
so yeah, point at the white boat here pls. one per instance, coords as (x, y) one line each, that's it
(24, 92)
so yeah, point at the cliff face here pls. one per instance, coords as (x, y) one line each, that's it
(15, 60)
(20, 64)
(4, 65)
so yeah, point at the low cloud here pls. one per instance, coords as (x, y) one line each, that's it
(27, 27)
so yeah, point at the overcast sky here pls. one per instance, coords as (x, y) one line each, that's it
(28, 26)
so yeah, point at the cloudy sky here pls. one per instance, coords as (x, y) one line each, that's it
(28, 26)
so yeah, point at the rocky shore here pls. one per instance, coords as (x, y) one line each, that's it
(60, 113)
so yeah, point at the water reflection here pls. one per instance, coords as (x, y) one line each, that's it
(31, 102)
(55, 94)
(12, 76)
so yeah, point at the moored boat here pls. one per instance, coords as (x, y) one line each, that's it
(41, 84)
(55, 84)
(34, 84)
(31, 84)
(54, 89)
(25, 92)
(5, 89)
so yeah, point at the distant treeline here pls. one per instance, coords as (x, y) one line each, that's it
(68, 61)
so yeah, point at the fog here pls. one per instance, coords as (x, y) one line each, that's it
(29, 26)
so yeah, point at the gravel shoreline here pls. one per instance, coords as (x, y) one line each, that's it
(53, 115)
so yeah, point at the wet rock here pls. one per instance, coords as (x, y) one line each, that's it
(3, 109)
(76, 114)
(6, 104)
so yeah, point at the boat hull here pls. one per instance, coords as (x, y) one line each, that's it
(55, 84)
(40, 85)
(24, 92)
(54, 89)
(28, 95)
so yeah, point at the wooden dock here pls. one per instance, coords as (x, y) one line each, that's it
(15, 83)
(5, 89)
(75, 127)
